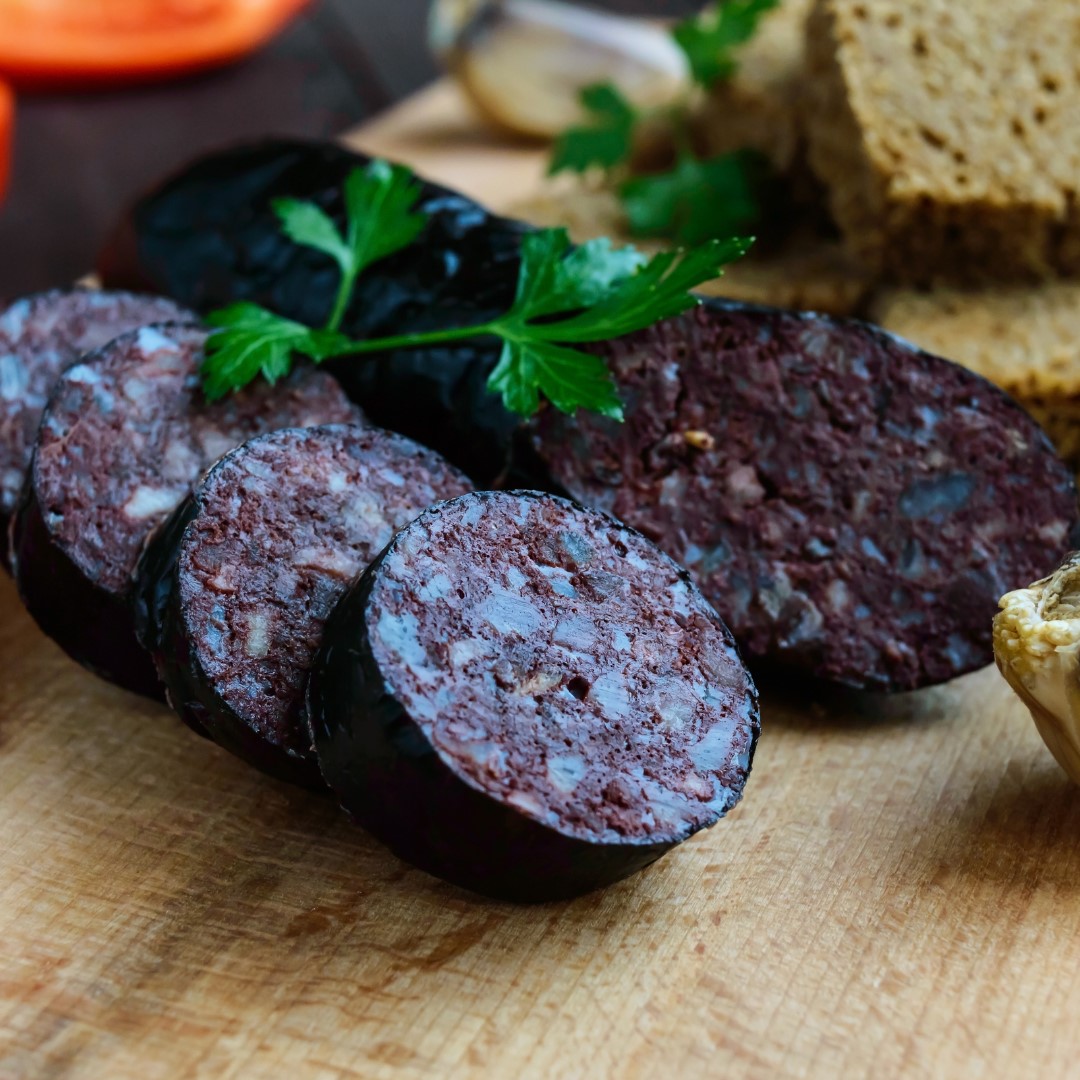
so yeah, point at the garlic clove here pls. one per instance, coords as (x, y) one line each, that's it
(524, 63)
(1037, 648)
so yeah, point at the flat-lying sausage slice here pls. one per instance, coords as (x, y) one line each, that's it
(529, 699)
(40, 336)
(852, 506)
(236, 589)
(124, 436)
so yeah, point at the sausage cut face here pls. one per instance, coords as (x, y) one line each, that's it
(852, 506)
(125, 435)
(552, 670)
(40, 337)
(268, 542)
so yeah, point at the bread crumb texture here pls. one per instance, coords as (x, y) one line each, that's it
(948, 134)
(757, 107)
(1026, 339)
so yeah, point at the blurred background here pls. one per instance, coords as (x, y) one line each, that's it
(80, 156)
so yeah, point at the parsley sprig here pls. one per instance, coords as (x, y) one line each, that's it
(380, 206)
(566, 297)
(712, 38)
(695, 199)
(606, 142)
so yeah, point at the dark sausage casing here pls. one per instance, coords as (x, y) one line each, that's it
(529, 699)
(233, 594)
(209, 235)
(852, 506)
(125, 435)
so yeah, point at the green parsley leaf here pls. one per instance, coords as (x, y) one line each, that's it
(251, 341)
(606, 142)
(568, 378)
(711, 38)
(697, 200)
(566, 296)
(380, 203)
(556, 280)
(661, 289)
(623, 298)
(555, 277)
(591, 269)
(309, 225)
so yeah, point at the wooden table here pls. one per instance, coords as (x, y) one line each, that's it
(898, 895)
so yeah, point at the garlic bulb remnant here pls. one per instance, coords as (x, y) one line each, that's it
(524, 63)
(1037, 647)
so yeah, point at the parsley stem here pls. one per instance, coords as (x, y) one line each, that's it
(406, 341)
(341, 301)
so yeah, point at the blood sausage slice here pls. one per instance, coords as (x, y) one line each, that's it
(41, 336)
(235, 591)
(852, 506)
(529, 699)
(125, 435)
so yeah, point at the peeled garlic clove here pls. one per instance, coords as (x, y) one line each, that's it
(524, 63)
(1037, 648)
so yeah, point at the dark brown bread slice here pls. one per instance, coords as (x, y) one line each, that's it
(948, 134)
(1024, 338)
(125, 435)
(854, 507)
(529, 699)
(235, 591)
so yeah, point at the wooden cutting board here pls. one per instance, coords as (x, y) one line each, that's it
(899, 893)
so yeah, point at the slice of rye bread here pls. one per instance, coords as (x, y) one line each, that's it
(948, 134)
(1024, 338)
(808, 272)
(1061, 422)
(757, 108)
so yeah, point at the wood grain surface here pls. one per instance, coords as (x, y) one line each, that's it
(898, 895)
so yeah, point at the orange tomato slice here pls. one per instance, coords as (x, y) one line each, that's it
(7, 124)
(56, 42)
